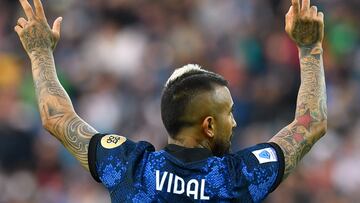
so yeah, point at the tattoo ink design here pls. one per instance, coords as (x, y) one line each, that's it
(57, 113)
(297, 139)
(56, 109)
(307, 32)
(37, 37)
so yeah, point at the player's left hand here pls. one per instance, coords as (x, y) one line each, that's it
(304, 24)
(35, 32)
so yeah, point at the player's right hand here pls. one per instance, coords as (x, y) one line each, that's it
(305, 25)
(35, 32)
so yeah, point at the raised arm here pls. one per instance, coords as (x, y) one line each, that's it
(306, 27)
(56, 110)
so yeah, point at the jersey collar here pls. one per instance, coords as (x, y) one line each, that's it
(188, 154)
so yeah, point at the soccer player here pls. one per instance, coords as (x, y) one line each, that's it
(196, 110)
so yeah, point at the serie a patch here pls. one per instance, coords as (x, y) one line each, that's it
(265, 155)
(111, 141)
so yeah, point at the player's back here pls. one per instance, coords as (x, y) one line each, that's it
(164, 176)
(134, 172)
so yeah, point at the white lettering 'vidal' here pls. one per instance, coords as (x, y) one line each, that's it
(178, 185)
(170, 182)
(160, 184)
(193, 191)
(202, 190)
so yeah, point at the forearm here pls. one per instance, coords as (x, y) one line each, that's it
(56, 111)
(51, 96)
(310, 120)
(311, 109)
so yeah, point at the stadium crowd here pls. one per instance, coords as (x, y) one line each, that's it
(114, 57)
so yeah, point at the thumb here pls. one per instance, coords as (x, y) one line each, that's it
(56, 27)
(288, 19)
(290, 12)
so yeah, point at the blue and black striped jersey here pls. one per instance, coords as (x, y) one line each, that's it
(135, 172)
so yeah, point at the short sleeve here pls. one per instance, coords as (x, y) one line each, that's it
(111, 157)
(263, 167)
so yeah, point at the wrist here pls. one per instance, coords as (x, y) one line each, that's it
(36, 53)
(314, 49)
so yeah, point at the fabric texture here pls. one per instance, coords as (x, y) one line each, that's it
(135, 172)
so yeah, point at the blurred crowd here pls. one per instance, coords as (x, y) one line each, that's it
(114, 57)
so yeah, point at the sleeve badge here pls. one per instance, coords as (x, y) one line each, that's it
(265, 155)
(111, 141)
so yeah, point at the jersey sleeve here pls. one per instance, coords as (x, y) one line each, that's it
(112, 158)
(262, 166)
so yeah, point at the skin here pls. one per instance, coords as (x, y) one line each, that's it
(56, 110)
(224, 122)
(212, 110)
(304, 25)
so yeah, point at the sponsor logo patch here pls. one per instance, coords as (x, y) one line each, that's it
(111, 141)
(265, 155)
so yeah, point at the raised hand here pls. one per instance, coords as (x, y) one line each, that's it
(305, 25)
(34, 32)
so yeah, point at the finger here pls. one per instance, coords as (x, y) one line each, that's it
(57, 26)
(321, 19)
(17, 29)
(39, 9)
(321, 16)
(288, 19)
(305, 5)
(296, 6)
(313, 11)
(27, 9)
(290, 12)
(22, 22)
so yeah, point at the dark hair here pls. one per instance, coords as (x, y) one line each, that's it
(178, 92)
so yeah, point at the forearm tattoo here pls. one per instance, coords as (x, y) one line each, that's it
(311, 111)
(56, 109)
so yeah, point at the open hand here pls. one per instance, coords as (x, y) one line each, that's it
(305, 25)
(34, 32)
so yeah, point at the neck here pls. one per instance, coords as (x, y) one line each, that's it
(190, 139)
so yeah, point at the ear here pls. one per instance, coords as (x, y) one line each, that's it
(208, 126)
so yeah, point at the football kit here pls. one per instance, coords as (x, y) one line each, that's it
(135, 172)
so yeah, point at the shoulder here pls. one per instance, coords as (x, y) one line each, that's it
(262, 166)
(114, 143)
(115, 152)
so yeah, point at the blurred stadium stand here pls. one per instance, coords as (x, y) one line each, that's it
(114, 57)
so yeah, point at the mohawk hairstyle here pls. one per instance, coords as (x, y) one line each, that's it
(183, 85)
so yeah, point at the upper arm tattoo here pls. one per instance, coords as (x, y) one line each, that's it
(56, 110)
(73, 133)
(311, 112)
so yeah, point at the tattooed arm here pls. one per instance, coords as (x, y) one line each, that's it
(305, 26)
(56, 110)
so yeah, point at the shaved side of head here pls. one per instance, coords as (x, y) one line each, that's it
(180, 105)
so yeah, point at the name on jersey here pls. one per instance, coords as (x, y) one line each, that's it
(177, 185)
